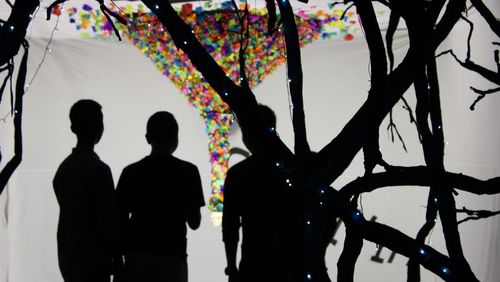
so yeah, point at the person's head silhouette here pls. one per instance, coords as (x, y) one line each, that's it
(268, 118)
(162, 133)
(86, 122)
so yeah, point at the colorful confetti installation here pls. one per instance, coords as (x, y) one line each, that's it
(217, 28)
(217, 129)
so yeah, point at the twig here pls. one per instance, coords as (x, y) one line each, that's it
(476, 214)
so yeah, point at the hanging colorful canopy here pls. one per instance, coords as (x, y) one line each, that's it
(217, 28)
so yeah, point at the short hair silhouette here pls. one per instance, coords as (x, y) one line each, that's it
(267, 115)
(86, 118)
(268, 119)
(163, 128)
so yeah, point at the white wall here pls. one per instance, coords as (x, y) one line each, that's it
(336, 82)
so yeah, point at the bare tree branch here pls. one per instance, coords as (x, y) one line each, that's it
(12, 165)
(12, 33)
(476, 214)
(419, 176)
(487, 15)
(295, 79)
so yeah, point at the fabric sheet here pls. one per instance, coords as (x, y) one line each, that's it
(336, 81)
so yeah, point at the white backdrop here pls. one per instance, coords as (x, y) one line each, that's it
(130, 89)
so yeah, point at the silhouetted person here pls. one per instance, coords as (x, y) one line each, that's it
(257, 198)
(157, 196)
(83, 185)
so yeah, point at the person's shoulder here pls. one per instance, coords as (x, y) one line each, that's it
(183, 164)
(243, 165)
(100, 167)
(136, 165)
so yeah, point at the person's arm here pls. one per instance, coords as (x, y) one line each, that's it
(197, 200)
(230, 226)
(123, 206)
(108, 223)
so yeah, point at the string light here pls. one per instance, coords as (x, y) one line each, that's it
(157, 7)
(421, 251)
(11, 28)
(357, 215)
(309, 276)
(445, 270)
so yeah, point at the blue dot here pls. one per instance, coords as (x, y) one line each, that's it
(421, 251)
(309, 276)
(445, 270)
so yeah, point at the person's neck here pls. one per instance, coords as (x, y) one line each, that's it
(160, 151)
(84, 145)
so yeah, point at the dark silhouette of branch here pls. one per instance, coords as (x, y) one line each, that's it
(271, 11)
(419, 176)
(470, 65)
(346, 10)
(353, 244)
(402, 244)
(485, 92)
(389, 36)
(295, 78)
(12, 165)
(450, 17)
(241, 101)
(13, 31)
(393, 129)
(378, 75)
(476, 214)
(487, 15)
(244, 38)
(105, 11)
(8, 78)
